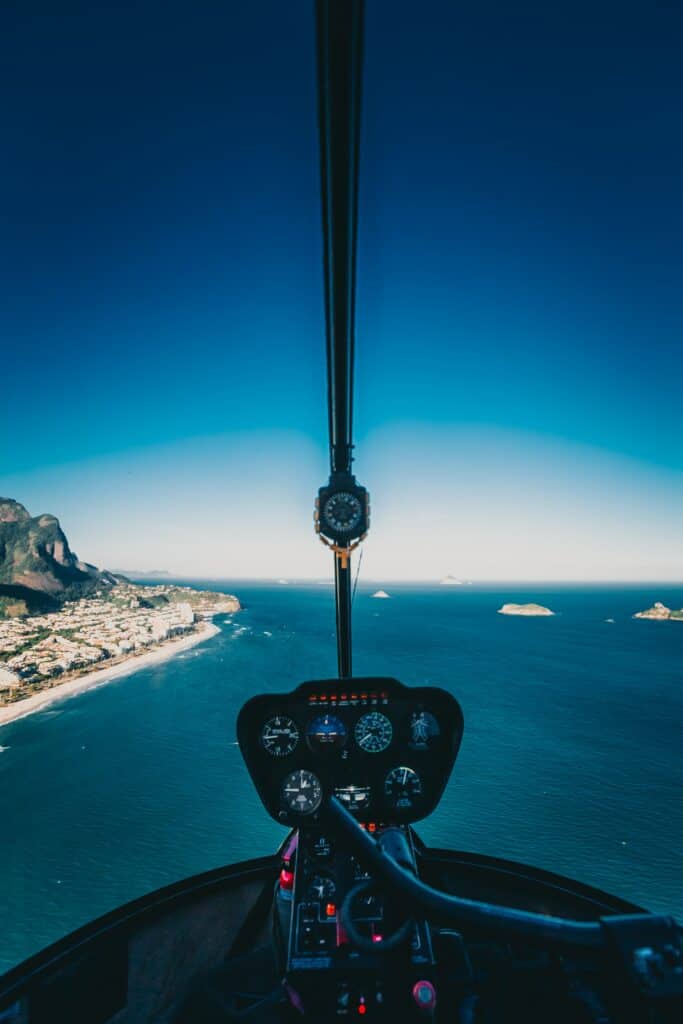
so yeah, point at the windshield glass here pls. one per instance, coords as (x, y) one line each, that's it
(517, 421)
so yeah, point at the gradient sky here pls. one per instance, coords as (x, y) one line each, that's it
(520, 302)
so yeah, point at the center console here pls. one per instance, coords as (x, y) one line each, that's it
(358, 981)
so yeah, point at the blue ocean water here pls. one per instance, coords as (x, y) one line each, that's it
(571, 757)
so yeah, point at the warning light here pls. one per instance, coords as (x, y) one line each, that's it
(372, 827)
(376, 938)
(362, 1008)
(286, 879)
(330, 910)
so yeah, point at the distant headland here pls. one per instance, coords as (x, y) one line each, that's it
(661, 612)
(66, 625)
(524, 609)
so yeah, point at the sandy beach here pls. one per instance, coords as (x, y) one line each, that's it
(98, 677)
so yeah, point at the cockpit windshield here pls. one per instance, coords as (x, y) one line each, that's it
(164, 432)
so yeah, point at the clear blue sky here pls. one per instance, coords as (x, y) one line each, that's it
(520, 307)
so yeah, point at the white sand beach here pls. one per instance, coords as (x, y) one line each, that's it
(98, 677)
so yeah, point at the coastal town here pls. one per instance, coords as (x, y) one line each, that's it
(116, 624)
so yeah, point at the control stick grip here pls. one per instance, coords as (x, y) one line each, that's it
(394, 843)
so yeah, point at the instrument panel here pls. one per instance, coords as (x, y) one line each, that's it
(383, 749)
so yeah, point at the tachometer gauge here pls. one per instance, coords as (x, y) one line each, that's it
(373, 732)
(302, 792)
(424, 729)
(326, 732)
(280, 736)
(402, 787)
(342, 511)
(322, 888)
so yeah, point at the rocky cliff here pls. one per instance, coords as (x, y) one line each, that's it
(38, 569)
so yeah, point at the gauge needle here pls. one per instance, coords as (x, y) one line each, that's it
(368, 737)
(405, 775)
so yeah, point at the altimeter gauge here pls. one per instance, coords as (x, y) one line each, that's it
(373, 732)
(302, 792)
(402, 788)
(280, 736)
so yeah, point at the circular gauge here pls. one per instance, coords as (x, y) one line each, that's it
(326, 732)
(373, 732)
(402, 787)
(343, 511)
(280, 736)
(354, 798)
(424, 729)
(302, 792)
(321, 888)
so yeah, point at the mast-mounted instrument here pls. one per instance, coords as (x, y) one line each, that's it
(342, 513)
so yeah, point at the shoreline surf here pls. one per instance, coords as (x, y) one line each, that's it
(99, 677)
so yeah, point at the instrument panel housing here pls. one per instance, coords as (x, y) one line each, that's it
(350, 765)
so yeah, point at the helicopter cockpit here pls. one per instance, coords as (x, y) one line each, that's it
(359, 925)
(355, 916)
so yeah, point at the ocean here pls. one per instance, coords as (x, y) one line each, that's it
(571, 757)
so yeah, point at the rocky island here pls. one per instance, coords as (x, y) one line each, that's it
(524, 609)
(661, 612)
(66, 625)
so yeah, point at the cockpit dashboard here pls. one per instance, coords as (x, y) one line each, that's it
(385, 750)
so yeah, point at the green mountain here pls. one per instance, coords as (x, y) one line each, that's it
(38, 569)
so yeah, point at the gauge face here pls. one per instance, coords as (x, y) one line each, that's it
(373, 732)
(402, 787)
(322, 888)
(326, 732)
(354, 798)
(302, 792)
(424, 729)
(280, 736)
(343, 511)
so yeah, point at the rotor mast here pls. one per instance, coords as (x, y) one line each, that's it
(340, 38)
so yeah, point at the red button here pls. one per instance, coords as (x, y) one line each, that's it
(286, 879)
(424, 995)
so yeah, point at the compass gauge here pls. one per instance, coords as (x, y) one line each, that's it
(354, 798)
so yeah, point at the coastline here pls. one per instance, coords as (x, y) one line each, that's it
(98, 677)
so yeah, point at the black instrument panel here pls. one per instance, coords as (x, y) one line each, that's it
(384, 749)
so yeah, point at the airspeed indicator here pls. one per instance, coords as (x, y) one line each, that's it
(280, 736)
